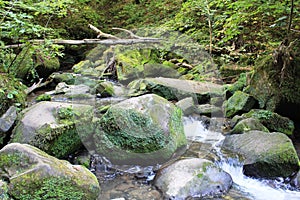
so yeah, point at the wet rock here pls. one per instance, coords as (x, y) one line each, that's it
(209, 110)
(4, 190)
(248, 125)
(142, 130)
(273, 121)
(266, 155)
(68, 78)
(296, 181)
(192, 177)
(6, 122)
(187, 106)
(239, 103)
(32, 174)
(176, 89)
(53, 126)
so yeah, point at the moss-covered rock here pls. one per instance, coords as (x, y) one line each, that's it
(68, 78)
(239, 85)
(248, 124)
(192, 177)
(239, 103)
(266, 155)
(33, 174)
(273, 121)
(209, 110)
(46, 65)
(278, 90)
(104, 89)
(43, 97)
(52, 127)
(176, 89)
(142, 130)
(12, 92)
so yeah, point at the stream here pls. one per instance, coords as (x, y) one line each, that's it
(134, 182)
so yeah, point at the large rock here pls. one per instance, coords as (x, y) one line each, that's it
(273, 121)
(6, 122)
(239, 103)
(248, 124)
(52, 127)
(142, 130)
(266, 155)
(177, 89)
(32, 174)
(192, 177)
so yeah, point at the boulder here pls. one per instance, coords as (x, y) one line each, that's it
(187, 106)
(248, 124)
(266, 155)
(209, 110)
(177, 89)
(52, 127)
(239, 103)
(192, 177)
(143, 130)
(273, 121)
(7, 120)
(32, 174)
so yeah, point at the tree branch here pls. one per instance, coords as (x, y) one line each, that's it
(101, 34)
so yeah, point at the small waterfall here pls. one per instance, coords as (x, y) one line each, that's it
(251, 188)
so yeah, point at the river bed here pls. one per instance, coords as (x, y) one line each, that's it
(135, 182)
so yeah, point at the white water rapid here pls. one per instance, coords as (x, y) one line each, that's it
(250, 188)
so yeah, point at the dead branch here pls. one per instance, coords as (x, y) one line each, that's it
(112, 40)
(37, 85)
(134, 36)
(101, 34)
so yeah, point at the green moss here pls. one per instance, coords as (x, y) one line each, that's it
(49, 188)
(127, 129)
(272, 121)
(176, 128)
(43, 97)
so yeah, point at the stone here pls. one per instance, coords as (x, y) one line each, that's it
(32, 174)
(53, 126)
(187, 106)
(7, 120)
(273, 121)
(192, 177)
(266, 155)
(248, 124)
(239, 103)
(209, 110)
(142, 130)
(177, 89)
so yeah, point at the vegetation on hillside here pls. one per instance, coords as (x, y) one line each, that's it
(232, 31)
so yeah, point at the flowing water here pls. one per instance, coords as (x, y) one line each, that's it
(249, 188)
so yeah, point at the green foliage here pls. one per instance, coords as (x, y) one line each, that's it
(53, 188)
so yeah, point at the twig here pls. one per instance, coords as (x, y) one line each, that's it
(101, 34)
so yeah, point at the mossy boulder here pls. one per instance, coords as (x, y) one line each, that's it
(68, 78)
(192, 177)
(209, 110)
(143, 130)
(87, 68)
(248, 124)
(239, 85)
(239, 103)
(32, 174)
(276, 90)
(273, 121)
(52, 127)
(266, 155)
(176, 89)
(12, 92)
(104, 89)
(46, 65)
